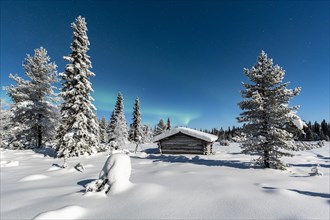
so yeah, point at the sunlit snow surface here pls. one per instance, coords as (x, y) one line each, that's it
(220, 186)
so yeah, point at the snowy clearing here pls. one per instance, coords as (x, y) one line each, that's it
(220, 186)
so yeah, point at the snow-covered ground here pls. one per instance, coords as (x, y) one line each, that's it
(220, 186)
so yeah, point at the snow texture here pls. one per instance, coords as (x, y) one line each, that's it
(188, 131)
(67, 212)
(33, 178)
(11, 163)
(219, 186)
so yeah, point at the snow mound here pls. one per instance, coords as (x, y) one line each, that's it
(188, 131)
(117, 171)
(67, 212)
(33, 178)
(89, 165)
(114, 176)
(9, 163)
(53, 168)
(116, 168)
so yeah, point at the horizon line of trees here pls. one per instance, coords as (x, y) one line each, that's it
(317, 131)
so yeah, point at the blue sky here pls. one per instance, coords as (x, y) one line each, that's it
(184, 59)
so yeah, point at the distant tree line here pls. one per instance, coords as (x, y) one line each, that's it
(317, 131)
(224, 134)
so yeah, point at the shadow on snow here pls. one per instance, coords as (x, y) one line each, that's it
(322, 157)
(200, 161)
(307, 193)
(46, 151)
(310, 165)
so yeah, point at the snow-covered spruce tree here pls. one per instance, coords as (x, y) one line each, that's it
(265, 113)
(103, 130)
(35, 114)
(136, 129)
(118, 126)
(161, 127)
(111, 126)
(168, 125)
(5, 116)
(147, 134)
(78, 133)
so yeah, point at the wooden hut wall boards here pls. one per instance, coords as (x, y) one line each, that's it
(185, 141)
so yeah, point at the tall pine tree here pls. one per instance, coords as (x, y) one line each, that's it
(168, 125)
(118, 126)
(78, 133)
(136, 129)
(161, 127)
(266, 111)
(35, 114)
(111, 126)
(103, 130)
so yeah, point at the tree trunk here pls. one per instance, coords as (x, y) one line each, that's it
(39, 132)
(266, 159)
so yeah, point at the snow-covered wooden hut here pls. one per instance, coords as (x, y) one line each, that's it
(185, 141)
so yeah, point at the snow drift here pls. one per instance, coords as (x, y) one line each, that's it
(114, 176)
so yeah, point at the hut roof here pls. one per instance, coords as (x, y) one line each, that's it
(188, 131)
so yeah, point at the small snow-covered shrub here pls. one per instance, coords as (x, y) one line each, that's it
(117, 168)
(103, 148)
(80, 167)
(97, 186)
(224, 142)
(115, 174)
(315, 171)
(321, 143)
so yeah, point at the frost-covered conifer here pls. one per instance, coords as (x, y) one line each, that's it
(34, 113)
(5, 116)
(118, 126)
(147, 134)
(78, 133)
(161, 127)
(266, 111)
(136, 129)
(103, 130)
(168, 125)
(111, 126)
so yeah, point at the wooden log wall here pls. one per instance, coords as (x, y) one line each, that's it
(184, 144)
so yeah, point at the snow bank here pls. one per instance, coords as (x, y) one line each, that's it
(188, 131)
(67, 212)
(117, 170)
(33, 178)
(9, 163)
(220, 186)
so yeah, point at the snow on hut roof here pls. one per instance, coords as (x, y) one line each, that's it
(188, 131)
